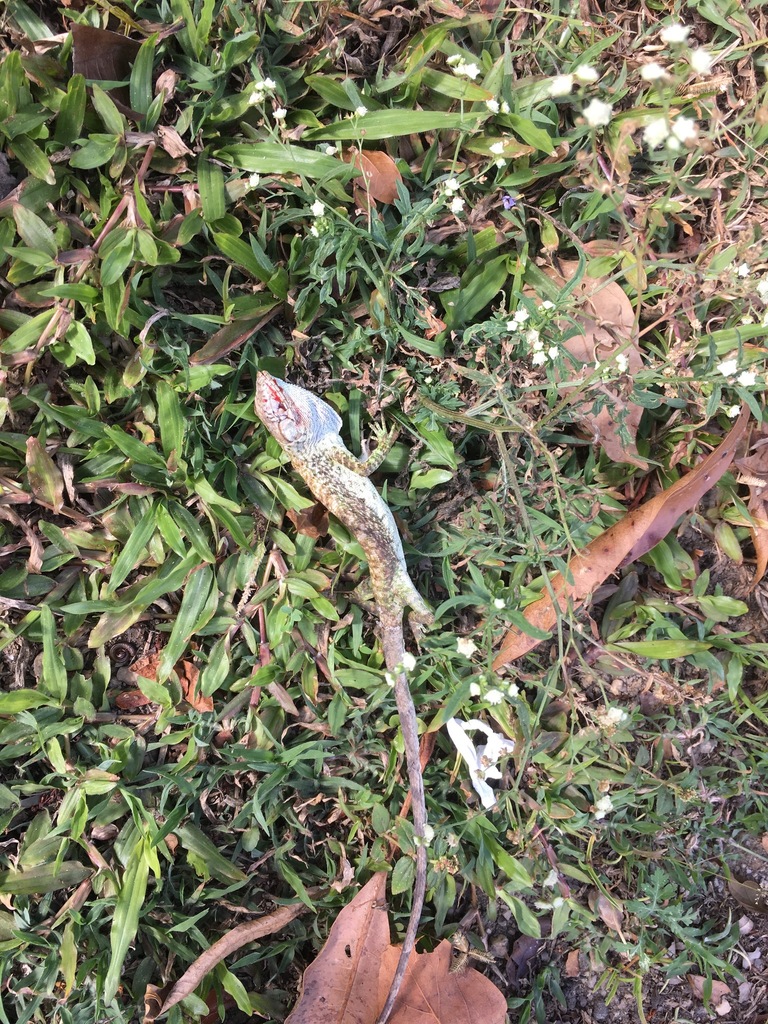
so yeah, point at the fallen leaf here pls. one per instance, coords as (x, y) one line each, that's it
(235, 939)
(357, 963)
(103, 56)
(572, 969)
(189, 676)
(750, 895)
(607, 322)
(171, 141)
(697, 982)
(380, 176)
(312, 521)
(610, 912)
(624, 542)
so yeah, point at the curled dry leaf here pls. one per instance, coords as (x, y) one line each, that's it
(234, 940)
(349, 981)
(624, 542)
(750, 895)
(607, 323)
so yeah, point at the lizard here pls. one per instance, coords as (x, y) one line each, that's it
(308, 430)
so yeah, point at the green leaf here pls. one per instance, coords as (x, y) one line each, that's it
(276, 158)
(34, 159)
(403, 876)
(13, 702)
(79, 340)
(98, 150)
(111, 117)
(69, 122)
(391, 124)
(189, 618)
(205, 858)
(125, 919)
(662, 650)
(34, 231)
(141, 75)
(136, 450)
(45, 878)
(213, 195)
(454, 87)
(526, 921)
(171, 419)
(54, 677)
(530, 133)
(131, 554)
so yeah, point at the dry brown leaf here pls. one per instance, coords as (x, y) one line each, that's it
(607, 321)
(240, 936)
(572, 969)
(349, 981)
(719, 988)
(624, 542)
(611, 913)
(754, 473)
(750, 895)
(189, 676)
(379, 176)
(171, 141)
(312, 521)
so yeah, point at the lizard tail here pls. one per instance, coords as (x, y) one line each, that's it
(394, 649)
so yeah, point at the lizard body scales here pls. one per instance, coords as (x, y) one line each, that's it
(307, 429)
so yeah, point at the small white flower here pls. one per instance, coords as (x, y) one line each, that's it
(603, 806)
(762, 288)
(684, 129)
(504, 107)
(614, 716)
(456, 205)
(389, 679)
(469, 70)
(429, 834)
(701, 60)
(408, 662)
(597, 113)
(511, 325)
(256, 95)
(547, 305)
(652, 72)
(314, 231)
(269, 85)
(533, 338)
(622, 362)
(656, 132)
(279, 113)
(746, 378)
(317, 209)
(520, 316)
(497, 148)
(538, 358)
(499, 602)
(329, 150)
(552, 879)
(733, 411)
(474, 689)
(481, 761)
(557, 902)
(361, 111)
(585, 74)
(561, 85)
(500, 162)
(674, 33)
(728, 367)
(743, 270)
(466, 646)
(452, 185)
(493, 106)
(455, 59)
(553, 352)
(513, 690)
(494, 696)
(253, 180)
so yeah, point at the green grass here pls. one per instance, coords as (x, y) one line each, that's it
(163, 247)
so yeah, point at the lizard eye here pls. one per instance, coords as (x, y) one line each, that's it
(289, 430)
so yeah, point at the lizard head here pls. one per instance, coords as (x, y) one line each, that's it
(295, 417)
